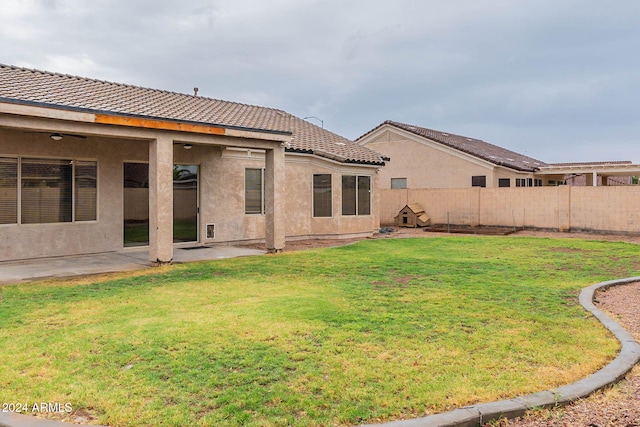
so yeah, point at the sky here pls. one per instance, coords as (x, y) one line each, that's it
(556, 80)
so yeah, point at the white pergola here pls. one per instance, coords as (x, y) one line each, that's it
(591, 171)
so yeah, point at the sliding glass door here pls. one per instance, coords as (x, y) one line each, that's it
(185, 203)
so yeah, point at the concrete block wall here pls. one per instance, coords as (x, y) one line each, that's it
(564, 208)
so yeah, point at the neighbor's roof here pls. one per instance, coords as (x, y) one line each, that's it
(476, 147)
(33, 87)
(614, 162)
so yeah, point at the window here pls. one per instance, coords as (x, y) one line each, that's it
(8, 190)
(322, 195)
(47, 190)
(538, 182)
(136, 204)
(254, 191)
(504, 182)
(479, 181)
(521, 182)
(86, 191)
(356, 195)
(398, 183)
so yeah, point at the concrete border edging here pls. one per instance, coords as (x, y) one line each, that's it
(472, 416)
(475, 415)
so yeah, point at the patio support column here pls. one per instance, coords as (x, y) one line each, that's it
(274, 177)
(161, 200)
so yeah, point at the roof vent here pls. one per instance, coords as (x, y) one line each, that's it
(195, 91)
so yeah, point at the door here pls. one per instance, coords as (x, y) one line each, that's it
(136, 204)
(185, 203)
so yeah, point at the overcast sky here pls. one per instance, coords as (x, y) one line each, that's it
(557, 80)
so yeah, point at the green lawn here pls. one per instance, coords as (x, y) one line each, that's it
(379, 330)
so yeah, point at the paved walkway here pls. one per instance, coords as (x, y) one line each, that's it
(125, 260)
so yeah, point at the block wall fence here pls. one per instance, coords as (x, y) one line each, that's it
(565, 208)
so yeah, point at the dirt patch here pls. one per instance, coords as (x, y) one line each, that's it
(482, 230)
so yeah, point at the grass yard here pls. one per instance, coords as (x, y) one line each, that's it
(376, 331)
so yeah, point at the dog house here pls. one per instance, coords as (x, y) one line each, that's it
(412, 215)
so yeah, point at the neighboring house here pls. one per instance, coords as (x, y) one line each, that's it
(426, 158)
(586, 178)
(89, 166)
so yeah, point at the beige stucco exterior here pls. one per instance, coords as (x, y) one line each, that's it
(298, 188)
(222, 160)
(429, 164)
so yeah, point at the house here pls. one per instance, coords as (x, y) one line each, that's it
(90, 166)
(426, 158)
(581, 173)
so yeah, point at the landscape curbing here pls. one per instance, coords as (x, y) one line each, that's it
(475, 415)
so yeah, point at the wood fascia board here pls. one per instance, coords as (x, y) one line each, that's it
(155, 124)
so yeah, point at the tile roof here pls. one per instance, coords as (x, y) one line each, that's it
(27, 86)
(476, 147)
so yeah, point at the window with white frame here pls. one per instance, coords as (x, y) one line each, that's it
(47, 190)
(254, 191)
(356, 195)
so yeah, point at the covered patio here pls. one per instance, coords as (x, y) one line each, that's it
(62, 152)
(596, 174)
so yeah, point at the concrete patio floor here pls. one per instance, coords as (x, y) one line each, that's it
(125, 260)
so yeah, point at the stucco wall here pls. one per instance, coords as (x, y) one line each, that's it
(105, 234)
(221, 196)
(612, 209)
(300, 222)
(427, 164)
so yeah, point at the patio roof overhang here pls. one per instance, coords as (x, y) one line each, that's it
(607, 169)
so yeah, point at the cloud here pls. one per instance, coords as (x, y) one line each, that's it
(525, 74)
